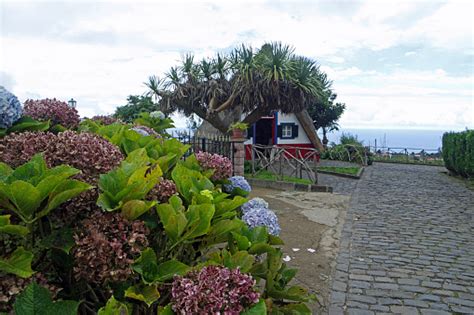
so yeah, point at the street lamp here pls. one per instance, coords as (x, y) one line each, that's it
(72, 102)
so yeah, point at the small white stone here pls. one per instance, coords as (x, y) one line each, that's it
(286, 258)
(295, 249)
(311, 250)
(360, 259)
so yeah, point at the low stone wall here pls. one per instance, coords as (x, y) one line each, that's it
(280, 185)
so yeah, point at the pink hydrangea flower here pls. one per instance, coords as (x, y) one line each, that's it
(213, 290)
(221, 165)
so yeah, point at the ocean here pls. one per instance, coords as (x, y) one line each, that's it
(412, 139)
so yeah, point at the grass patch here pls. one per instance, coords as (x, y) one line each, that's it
(404, 160)
(351, 170)
(264, 174)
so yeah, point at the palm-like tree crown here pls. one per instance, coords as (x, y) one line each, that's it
(243, 83)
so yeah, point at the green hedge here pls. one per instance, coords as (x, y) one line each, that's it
(458, 152)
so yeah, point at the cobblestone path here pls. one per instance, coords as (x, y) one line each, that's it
(407, 246)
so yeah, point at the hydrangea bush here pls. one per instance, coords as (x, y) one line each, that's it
(151, 231)
(213, 290)
(10, 108)
(105, 247)
(221, 165)
(58, 112)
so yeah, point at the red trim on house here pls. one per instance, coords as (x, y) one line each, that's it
(248, 148)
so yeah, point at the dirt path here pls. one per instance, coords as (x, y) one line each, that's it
(311, 226)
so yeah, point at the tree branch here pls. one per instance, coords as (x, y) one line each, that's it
(227, 103)
(253, 117)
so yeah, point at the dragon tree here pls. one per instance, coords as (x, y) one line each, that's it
(240, 86)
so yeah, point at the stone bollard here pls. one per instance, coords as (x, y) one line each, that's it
(239, 156)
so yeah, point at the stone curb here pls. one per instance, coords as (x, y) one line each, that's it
(280, 185)
(357, 176)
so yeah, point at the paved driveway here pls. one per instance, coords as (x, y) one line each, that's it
(407, 245)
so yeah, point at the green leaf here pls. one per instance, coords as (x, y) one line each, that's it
(174, 221)
(146, 265)
(145, 293)
(25, 197)
(275, 240)
(54, 177)
(36, 300)
(5, 171)
(242, 260)
(66, 190)
(294, 293)
(219, 231)
(113, 307)
(166, 310)
(6, 227)
(258, 309)
(243, 242)
(62, 239)
(134, 208)
(31, 171)
(169, 269)
(199, 220)
(260, 248)
(295, 309)
(19, 263)
(27, 123)
(258, 234)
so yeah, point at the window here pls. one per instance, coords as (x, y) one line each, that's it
(287, 131)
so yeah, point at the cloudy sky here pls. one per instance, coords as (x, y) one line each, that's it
(396, 64)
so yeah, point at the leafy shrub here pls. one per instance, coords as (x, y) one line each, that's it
(349, 139)
(458, 152)
(213, 290)
(161, 217)
(90, 153)
(58, 112)
(87, 152)
(350, 153)
(221, 165)
(155, 120)
(10, 108)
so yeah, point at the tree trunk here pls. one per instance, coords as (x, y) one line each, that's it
(325, 139)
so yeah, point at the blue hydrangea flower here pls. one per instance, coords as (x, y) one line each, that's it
(10, 108)
(262, 217)
(237, 182)
(254, 203)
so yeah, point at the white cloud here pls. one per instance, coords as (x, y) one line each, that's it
(101, 53)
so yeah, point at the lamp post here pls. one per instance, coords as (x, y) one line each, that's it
(72, 102)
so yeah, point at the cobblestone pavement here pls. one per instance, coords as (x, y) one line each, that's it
(407, 245)
(340, 185)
